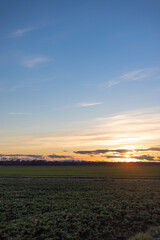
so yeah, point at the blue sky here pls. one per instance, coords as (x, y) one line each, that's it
(65, 64)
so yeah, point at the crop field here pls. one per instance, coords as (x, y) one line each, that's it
(77, 210)
(127, 171)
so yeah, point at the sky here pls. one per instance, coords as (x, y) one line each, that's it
(79, 77)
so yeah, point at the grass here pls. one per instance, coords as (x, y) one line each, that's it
(77, 210)
(127, 171)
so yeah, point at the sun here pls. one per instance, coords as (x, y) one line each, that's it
(127, 157)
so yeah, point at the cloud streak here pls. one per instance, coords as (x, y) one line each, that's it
(89, 104)
(131, 76)
(31, 62)
(22, 31)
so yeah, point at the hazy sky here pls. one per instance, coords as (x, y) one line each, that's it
(79, 75)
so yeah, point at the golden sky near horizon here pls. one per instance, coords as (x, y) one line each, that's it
(126, 131)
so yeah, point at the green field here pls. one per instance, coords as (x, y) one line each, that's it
(77, 210)
(125, 171)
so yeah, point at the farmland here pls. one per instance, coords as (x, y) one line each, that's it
(77, 210)
(121, 171)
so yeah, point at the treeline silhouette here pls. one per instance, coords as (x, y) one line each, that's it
(70, 163)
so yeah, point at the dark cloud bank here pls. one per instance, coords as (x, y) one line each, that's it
(105, 153)
(35, 157)
(99, 151)
(59, 156)
(121, 153)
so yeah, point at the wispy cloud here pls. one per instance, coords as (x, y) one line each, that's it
(89, 104)
(31, 62)
(22, 31)
(131, 76)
